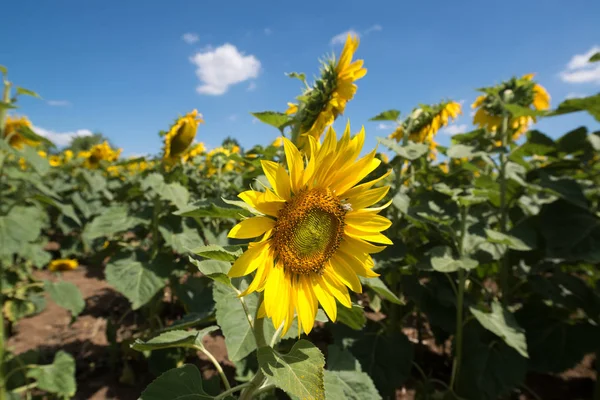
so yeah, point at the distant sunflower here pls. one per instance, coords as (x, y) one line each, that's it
(180, 136)
(217, 160)
(427, 123)
(63, 264)
(98, 153)
(330, 94)
(525, 93)
(315, 227)
(14, 127)
(193, 151)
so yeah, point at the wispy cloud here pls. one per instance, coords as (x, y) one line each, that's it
(455, 129)
(268, 31)
(579, 70)
(340, 38)
(190, 37)
(222, 67)
(574, 95)
(252, 86)
(384, 127)
(374, 28)
(232, 117)
(61, 138)
(58, 103)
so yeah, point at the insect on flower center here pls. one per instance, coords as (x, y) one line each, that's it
(309, 230)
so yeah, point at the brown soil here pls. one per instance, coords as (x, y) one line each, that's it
(98, 379)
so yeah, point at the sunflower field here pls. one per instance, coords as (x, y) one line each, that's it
(312, 268)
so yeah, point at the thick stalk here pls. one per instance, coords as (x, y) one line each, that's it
(259, 336)
(5, 100)
(155, 215)
(504, 267)
(462, 277)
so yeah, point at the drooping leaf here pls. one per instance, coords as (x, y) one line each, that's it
(58, 377)
(442, 260)
(66, 295)
(213, 269)
(183, 383)
(411, 151)
(503, 324)
(353, 317)
(206, 208)
(595, 57)
(220, 253)
(381, 289)
(175, 338)
(505, 239)
(591, 104)
(277, 119)
(299, 373)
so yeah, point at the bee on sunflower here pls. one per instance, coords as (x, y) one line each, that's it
(316, 229)
(425, 122)
(180, 137)
(321, 104)
(523, 92)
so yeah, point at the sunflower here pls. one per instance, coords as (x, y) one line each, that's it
(315, 229)
(523, 92)
(193, 151)
(328, 97)
(426, 123)
(180, 136)
(13, 127)
(98, 153)
(63, 264)
(55, 160)
(218, 161)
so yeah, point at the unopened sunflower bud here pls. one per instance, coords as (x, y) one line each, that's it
(508, 95)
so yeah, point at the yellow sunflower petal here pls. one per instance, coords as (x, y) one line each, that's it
(251, 228)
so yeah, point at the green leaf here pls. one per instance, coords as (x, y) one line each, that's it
(353, 317)
(206, 208)
(58, 377)
(296, 75)
(171, 192)
(213, 269)
(277, 119)
(344, 378)
(114, 219)
(389, 115)
(520, 111)
(66, 295)
(566, 188)
(27, 92)
(182, 241)
(411, 151)
(20, 225)
(573, 141)
(183, 383)
(595, 57)
(381, 289)
(220, 253)
(176, 338)
(196, 295)
(135, 280)
(503, 324)
(3, 70)
(187, 321)
(16, 309)
(511, 241)
(461, 151)
(6, 106)
(590, 104)
(39, 163)
(233, 322)
(299, 372)
(65, 209)
(442, 260)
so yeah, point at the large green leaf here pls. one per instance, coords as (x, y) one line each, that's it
(66, 295)
(299, 372)
(181, 241)
(21, 225)
(442, 260)
(196, 295)
(508, 240)
(183, 383)
(344, 378)
(354, 317)
(137, 281)
(175, 338)
(39, 163)
(389, 115)
(213, 209)
(114, 219)
(503, 324)
(171, 192)
(220, 253)
(277, 119)
(411, 151)
(381, 289)
(590, 104)
(213, 269)
(58, 377)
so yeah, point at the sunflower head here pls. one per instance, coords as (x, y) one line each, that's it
(181, 135)
(193, 151)
(522, 91)
(98, 153)
(327, 98)
(63, 264)
(14, 127)
(316, 230)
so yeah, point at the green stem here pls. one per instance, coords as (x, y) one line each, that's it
(155, 214)
(2, 344)
(259, 336)
(504, 267)
(232, 390)
(5, 100)
(458, 339)
(217, 365)
(276, 335)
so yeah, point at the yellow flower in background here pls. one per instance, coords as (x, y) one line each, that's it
(524, 92)
(194, 151)
(67, 156)
(427, 123)
(277, 142)
(13, 127)
(315, 227)
(55, 161)
(181, 136)
(218, 160)
(42, 154)
(98, 153)
(329, 96)
(444, 167)
(63, 264)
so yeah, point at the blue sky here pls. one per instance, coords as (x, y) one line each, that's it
(127, 68)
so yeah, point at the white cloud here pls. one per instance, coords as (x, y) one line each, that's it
(268, 31)
(455, 129)
(190, 38)
(232, 117)
(383, 126)
(222, 67)
(341, 37)
(251, 86)
(58, 103)
(579, 70)
(574, 95)
(61, 138)
(374, 28)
